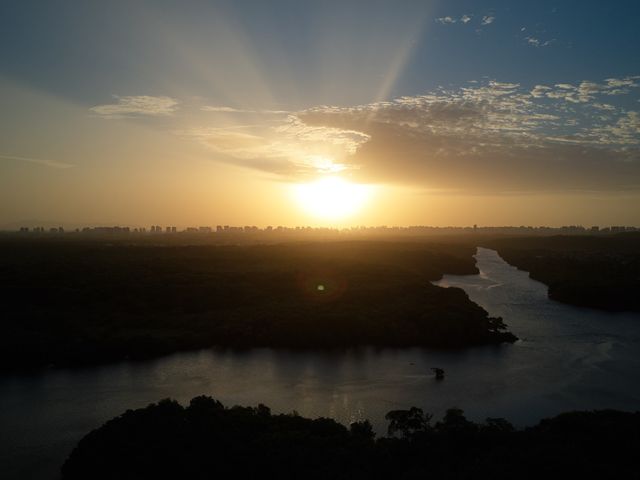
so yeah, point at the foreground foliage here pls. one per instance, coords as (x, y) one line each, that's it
(206, 440)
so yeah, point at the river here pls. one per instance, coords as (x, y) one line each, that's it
(567, 358)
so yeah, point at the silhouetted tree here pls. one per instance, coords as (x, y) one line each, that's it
(207, 440)
(497, 425)
(454, 421)
(408, 422)
(362, 429)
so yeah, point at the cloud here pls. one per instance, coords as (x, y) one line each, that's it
(586, 91)
(623, 82)
(487, 19)
(39, 161)
(210, 108)
(488, 137)
(290, 149)
(604, 106)
(140, 105)
(536, 42)
(494, 137)
(539, 91)
(446, 20)
(625, 131)
(464, 19)
(224, 109)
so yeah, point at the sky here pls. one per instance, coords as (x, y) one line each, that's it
(327, 113)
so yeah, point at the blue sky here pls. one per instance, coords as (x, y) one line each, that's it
(87, 50)
(456, 98)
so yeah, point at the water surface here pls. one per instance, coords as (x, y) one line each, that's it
(567, 358)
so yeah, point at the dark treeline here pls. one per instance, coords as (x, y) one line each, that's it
(78, 302)
(206, 440)
(588, 271)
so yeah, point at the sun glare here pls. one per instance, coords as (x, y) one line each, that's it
(332, 197)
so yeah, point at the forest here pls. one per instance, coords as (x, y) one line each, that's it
(79, 302)
(588, 271)
(208, 440)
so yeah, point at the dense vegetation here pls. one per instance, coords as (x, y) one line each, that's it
(206, 440)
(598, 272)
(70, 302)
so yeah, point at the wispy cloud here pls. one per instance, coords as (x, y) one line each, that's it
(536, 42)
(586, 91)
(623, 82)
(140, 105)
(625, 131)
(487, 137)
(497, 136)
(291, 148)
(221, 109)
(225, 109)
(38, 161)
(487, 19)
(446, 20)
(465, 19)
(604, 106)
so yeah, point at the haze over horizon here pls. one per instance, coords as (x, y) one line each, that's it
(320, 113)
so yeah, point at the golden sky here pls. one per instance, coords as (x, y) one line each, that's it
(431, 114)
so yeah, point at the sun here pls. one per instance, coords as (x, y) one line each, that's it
(332, 197)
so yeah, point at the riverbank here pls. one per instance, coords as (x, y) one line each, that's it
(587, 271)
